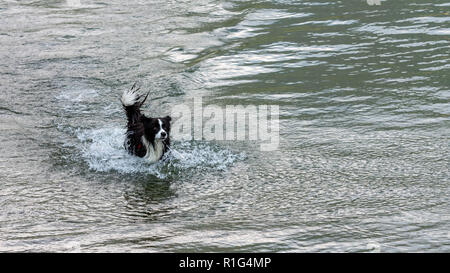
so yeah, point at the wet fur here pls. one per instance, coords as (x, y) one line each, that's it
(143, 136)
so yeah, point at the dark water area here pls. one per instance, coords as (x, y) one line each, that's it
(363, 92)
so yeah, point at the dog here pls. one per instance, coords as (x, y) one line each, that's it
(145, 137)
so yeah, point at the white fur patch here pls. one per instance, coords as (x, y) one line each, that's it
(129, 98)
(153, 154)
(161, 130)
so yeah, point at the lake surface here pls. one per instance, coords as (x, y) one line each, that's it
(363, 93)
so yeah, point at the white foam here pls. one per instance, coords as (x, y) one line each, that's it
(77, 100)
(78, 95)
(102, 149)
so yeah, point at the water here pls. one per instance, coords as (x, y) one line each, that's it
(363, 91)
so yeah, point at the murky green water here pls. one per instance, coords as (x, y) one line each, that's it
(363, 91)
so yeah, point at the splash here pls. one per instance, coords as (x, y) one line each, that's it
(102, 149)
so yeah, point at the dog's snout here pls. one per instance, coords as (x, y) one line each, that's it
(163, 134)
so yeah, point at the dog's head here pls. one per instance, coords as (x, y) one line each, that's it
(157, 128)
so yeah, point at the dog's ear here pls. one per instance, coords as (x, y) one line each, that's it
(168, 118)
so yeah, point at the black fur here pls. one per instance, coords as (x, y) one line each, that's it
(139, 125)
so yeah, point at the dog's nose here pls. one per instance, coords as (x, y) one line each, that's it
(163, 134)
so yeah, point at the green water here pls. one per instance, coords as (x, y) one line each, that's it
(363, 92)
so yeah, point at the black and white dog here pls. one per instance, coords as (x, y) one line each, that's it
(145, 137)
